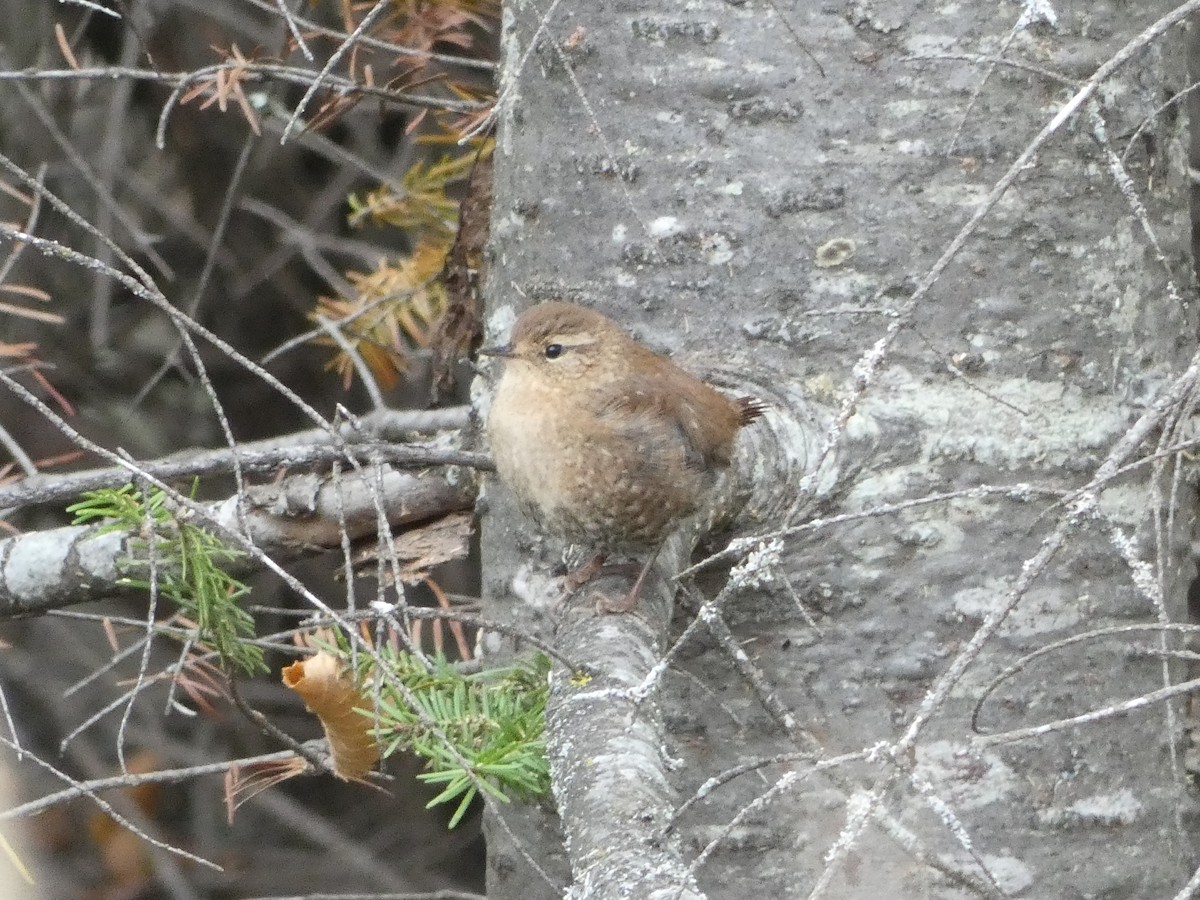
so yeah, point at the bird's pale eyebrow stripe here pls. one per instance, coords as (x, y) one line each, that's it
(578, 339)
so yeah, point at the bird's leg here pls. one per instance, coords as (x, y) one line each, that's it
(630, 602)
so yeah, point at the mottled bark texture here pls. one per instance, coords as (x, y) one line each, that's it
(763, 189)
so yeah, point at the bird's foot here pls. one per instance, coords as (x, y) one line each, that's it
(606, 605)
(585, 573)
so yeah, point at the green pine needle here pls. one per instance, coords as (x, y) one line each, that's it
(494, 720)
(189, 567)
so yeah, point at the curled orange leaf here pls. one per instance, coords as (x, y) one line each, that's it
(331, 694)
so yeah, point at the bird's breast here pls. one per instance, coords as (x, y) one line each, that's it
(529, 440)
(586, 476)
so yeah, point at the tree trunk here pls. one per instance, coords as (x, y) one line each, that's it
(987, 310)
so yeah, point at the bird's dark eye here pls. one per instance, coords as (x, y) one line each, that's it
(554, 351)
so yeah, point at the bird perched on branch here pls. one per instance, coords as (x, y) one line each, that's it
(603, 441)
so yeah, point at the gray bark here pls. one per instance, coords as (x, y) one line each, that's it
(732, 206)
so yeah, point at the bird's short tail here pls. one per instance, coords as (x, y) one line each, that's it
(750, 408)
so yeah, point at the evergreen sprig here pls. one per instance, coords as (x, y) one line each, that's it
(189, 567)
(495, 722)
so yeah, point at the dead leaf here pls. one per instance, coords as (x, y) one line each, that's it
(332, 696)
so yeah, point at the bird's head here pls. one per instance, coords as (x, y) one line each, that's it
(563, 344)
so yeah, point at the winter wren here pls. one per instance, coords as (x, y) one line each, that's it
(604, 442)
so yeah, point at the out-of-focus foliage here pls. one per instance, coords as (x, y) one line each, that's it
(395, 308)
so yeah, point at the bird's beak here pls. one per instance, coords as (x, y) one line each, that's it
(505, 351)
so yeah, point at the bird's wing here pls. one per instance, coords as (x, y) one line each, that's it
(648, 411)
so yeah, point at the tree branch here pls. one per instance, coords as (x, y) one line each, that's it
(301, 514)
(300, 450)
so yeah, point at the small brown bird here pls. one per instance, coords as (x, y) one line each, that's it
(603, 441)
